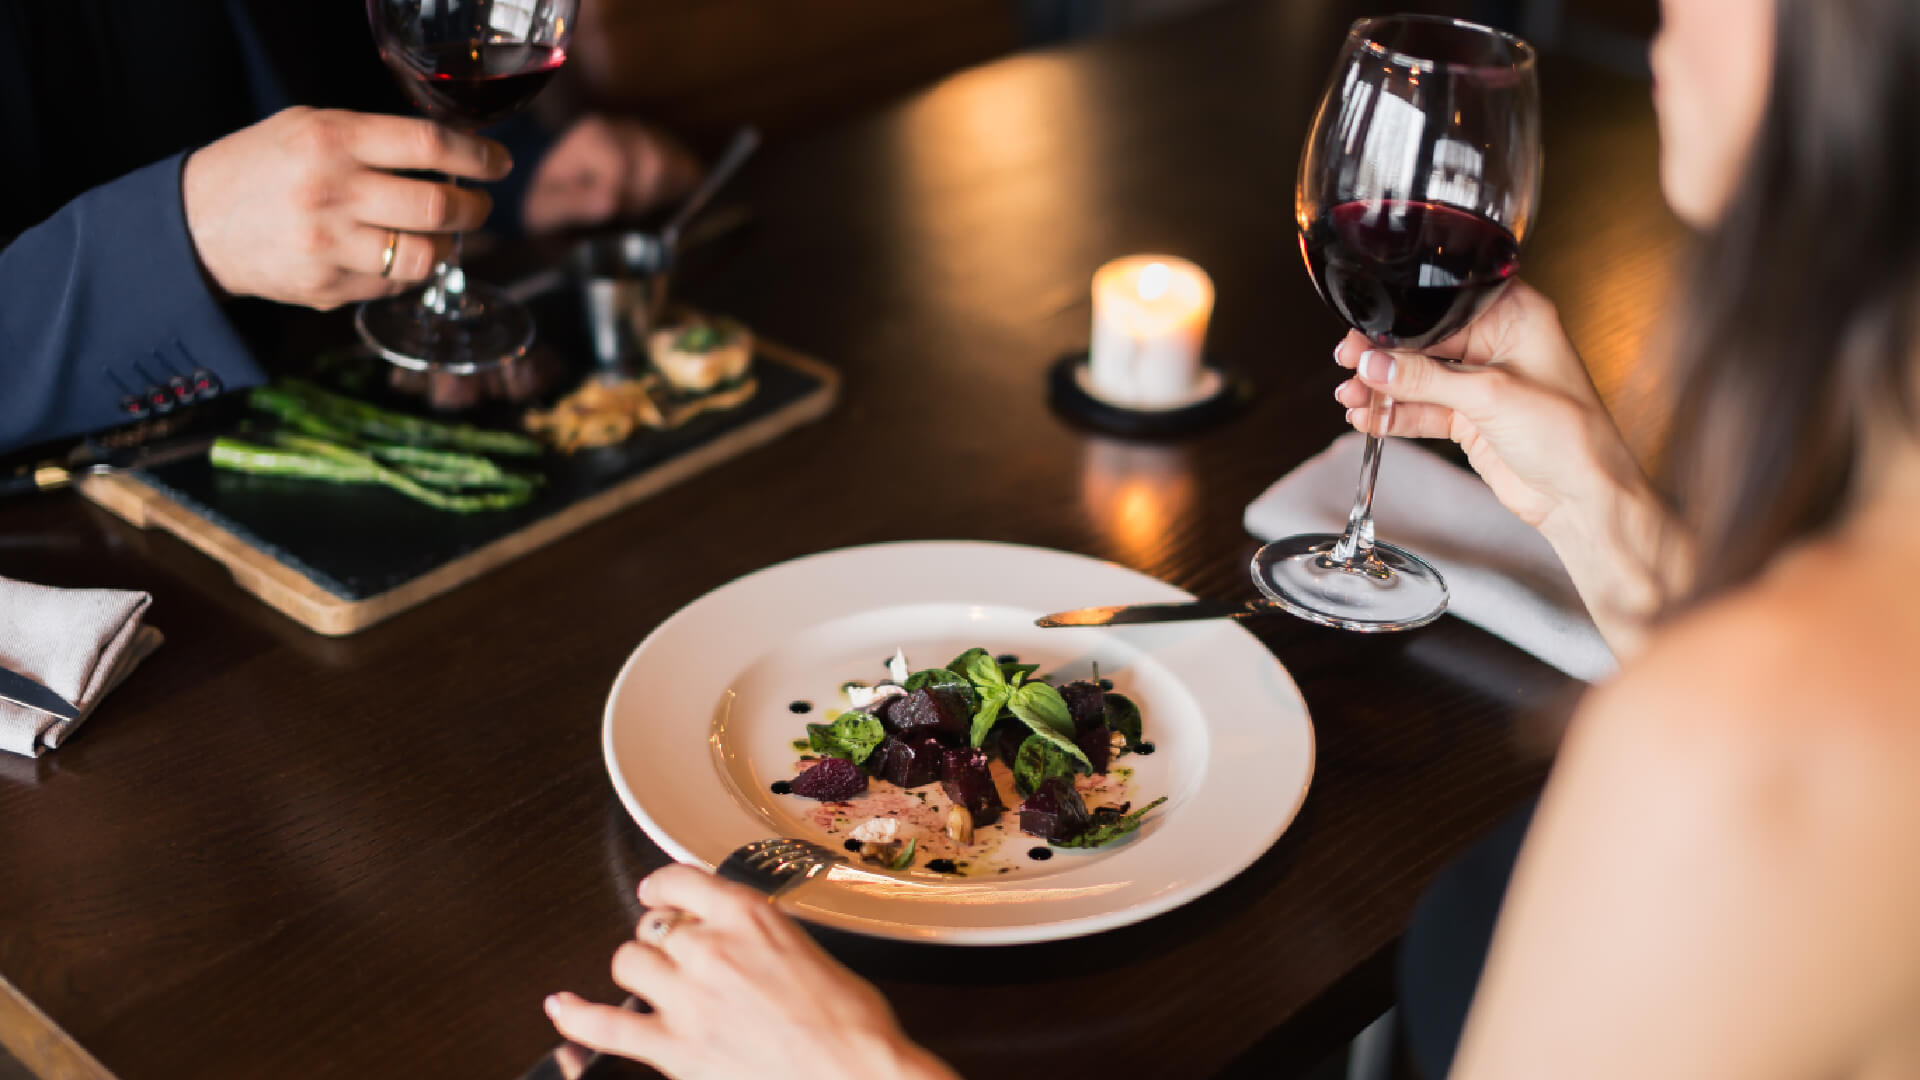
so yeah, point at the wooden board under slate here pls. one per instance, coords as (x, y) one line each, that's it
(338, 558)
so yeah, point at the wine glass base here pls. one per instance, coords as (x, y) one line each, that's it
(492, 331)
(1392, 589)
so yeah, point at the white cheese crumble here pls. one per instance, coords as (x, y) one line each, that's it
(882, 830)
(862, 696)
(897, 666)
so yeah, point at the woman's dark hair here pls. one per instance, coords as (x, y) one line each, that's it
(1800, 324)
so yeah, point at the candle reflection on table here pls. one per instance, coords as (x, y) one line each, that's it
(1136, 494)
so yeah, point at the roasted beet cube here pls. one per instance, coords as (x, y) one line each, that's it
(831, 780)
(968, 782)
(933, 710)
(886, 708)
(908, 762)
(1097, 744)
(1055, 811)
(1086, 703)
(1005, 739)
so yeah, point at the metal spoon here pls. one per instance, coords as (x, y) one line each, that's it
(744, 143)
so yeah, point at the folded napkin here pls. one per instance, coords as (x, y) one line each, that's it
(1502, 576)
(78, 643)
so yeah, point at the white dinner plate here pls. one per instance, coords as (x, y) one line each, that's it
(699, 728)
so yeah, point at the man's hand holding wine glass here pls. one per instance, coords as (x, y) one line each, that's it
(300, 208)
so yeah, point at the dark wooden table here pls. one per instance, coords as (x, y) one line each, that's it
(274, 854)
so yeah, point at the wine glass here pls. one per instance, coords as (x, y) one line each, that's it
(1416, 188)
(467, 64)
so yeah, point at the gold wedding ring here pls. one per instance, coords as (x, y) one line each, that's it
(386, 257)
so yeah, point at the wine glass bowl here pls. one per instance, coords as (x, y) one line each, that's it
(467, 64)
(1416, 189)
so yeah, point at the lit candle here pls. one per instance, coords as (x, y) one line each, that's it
(1150, 317)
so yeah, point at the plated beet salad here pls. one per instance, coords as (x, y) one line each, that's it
(926, 762)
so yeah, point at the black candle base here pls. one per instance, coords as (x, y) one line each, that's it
(1067, 393)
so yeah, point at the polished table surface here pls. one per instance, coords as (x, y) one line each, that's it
(277, 854)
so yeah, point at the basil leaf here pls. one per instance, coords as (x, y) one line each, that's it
(1123, 717)
(852, 735)
(1015, 674)
(1041, 705)
(982, 669)
(905, 858)
(1054, 738)
(1038, 759)
(962, 664)
(942, 677)
(1106, 832)
(985, 715)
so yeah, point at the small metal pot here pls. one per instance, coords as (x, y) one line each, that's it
(623, 279)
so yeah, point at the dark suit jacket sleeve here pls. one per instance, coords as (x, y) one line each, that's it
(106, 287)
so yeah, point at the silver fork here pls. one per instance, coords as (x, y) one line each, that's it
(773, 867)
(777, 866)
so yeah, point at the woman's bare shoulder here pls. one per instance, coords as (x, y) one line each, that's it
(1786, 711)
(1805, 652)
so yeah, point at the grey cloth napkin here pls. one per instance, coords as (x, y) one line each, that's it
(1502, 576)
(79, 643)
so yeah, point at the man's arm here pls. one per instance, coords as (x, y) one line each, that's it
(101, 299)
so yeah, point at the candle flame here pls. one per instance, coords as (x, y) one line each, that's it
(1154, 281)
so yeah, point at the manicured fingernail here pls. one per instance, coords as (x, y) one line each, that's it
(1376, 366)
(552, 1003)
(1349, 416)
(1336, 351)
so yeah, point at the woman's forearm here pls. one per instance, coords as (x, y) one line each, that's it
(1625, 550)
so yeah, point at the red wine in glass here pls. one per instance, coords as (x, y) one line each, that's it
(1408, 274)
(474, 86)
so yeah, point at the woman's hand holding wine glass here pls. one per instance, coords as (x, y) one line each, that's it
(1512, 391)
(1512, 398)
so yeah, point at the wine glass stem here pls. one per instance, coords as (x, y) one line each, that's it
(446, 294)
(1356, 544)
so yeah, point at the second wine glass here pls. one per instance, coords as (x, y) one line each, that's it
(467, 64)
(1416, 188)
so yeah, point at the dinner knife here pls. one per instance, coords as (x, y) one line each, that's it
(21, 690)
(87, 458)
(1129, 614)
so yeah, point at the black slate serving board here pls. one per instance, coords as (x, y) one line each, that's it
(339, 558)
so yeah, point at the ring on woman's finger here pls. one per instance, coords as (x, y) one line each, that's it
(386, 257)
(657, 923)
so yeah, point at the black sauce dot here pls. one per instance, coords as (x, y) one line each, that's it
(1106, 684)
(851, 845)
(1007, 658)
(1040, 854)
(1145, 748)
(942, 866)
(781, 787)
(800, 706)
